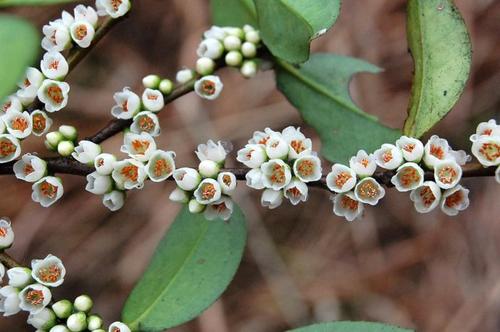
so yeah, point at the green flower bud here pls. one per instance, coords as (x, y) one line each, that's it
(94, 322)
(63, 309)
(83, 303)
(65, 148)
(195, 207)
(233, 58)
(77, 322)
(151, 81)
(53, 139)
(69, 132)
(59, 328)
(166, 86)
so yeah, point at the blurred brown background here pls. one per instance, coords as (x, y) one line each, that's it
(302, 264)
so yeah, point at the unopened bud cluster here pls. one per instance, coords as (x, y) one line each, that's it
(207, 189)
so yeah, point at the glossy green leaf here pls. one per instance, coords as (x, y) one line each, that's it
(287, 26)
(6, 3)
(319, 89)
(192, 266)
(350, 327)
(441, 50)
(20, 45)
(233, 12)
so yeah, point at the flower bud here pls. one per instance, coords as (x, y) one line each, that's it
(210, 48)
(69, 132)
(77, 322)
(195, 207)
(9, 301)
(65, 148)
(248, 69)
(208, 168)
(232, 43)
(153, 100)
(63, 309)
(43, 320)
(19, 277)
(233, 58)
(104, 163)
(151, 81)
(53, 139)
(166, 86)
(83, 303)
(213, 151)
(271, 198)
(6, 235)
(248, 50)
(205, 66)
(252, 36)
(233, 31)
(187, 178)
(114, 200)
(184, 75)
(94, 322)
(98, 184)
(179, 196)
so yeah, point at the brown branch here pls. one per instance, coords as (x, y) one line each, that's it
(8, 261)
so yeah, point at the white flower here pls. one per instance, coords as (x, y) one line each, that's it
(138, 146)
(348, 206)
(43, 320)
(307, 168)
(82, 33)
(34, 298)
(129, 173)
(388, 157)
(296, 191)
(54, 95)
(213, 151)
(497, 174)
(47, 191)
(98, 184)
(455, 200)
(86, 152)
(57, 36)
(29, 86)
(30, 168)
(104, 163)
(49, 271)
(146, 122)
(261, 137)
(6, 235)
(276, 147)
(215, 32)
(227, 181)
(437, 149)
(408, 177)
(9, 301)
(447, 173)
(2, 270)
(275, 174)
(208, 191)
(299, 145)
(153, 100)
(161, 165)
(12, 103)
(179, 196)
(255, 179)
(252, 155)
(66, 18)
(118, 327)
(86, 13)
(54, 65)
(18, 124)
(412, 148)
(2, 126)
(19, 277)
(271, 198)
(210, 48)
(184, 75)
(426, 197)
(114, 200)
(369, 191)
(187, 178)
(127, 104)
(341, 179)
(223, 208)
(487, 150)
(363, 164)
(115, 8)
(208, 87)
(10, 148)
(490, 128)
(41, 123)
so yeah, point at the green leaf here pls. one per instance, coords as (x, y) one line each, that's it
(6, 3)
(233, 12)
(350, 327)
(287, 26)
(192, 266)
(319, 89)
(20, 45)
(441, 50)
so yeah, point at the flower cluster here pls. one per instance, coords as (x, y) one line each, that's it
(282, 164)
(356, 185)
(207, 189)
(486, 145)
(29, 290)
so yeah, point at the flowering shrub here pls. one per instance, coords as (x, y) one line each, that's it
(368, 158)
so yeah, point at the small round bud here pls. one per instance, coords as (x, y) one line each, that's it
(59, 328)
(43, 320)
(77, 322)
(208, 168)
(205, 66)
(53, 138)
(69, 132)
(248, 50)
(237, 32)
(83, 303)
(94, 322)
(252, 36)
(232, 43)
(19, 277)
(63, 309)
(166, 86)
(195, 207)
(247, 28)
(151, 81)
(233, 58)
(99, 330)
(179, 196)
(184, 75)
(65, 148)
(249, 69)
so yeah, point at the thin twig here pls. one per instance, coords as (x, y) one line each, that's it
(8, 261)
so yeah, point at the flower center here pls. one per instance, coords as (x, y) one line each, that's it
(152, 96)
(447, 174)
(6, 106)
(55, 93)
(306, 168)
(487, 132)
(227, 180)
(427, 196)
(130, 172)
(208, 191)
(387, 156)
(81, 31)
(6, 148)
(342, 178)
(408, 175)
(48, 190)
(39, 123)
(368, 189)
(27, 83)
(146, 124)
(53, 38)
(278, 174)
(454, 199)
(298, 146)
(54, 65)
(50, 273)
(365, 162)
(294, 192)
(490, 151)
(437, 152)
(28, 169)
(3, 231)
(139, 146)
(409, 147)
(220, 207)
(34, 297)
(349, 203)
(116, 4)
(125, 106)
(100, 162)
(208, 87)
(161, 167)
(20, 124)
(264, 140)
